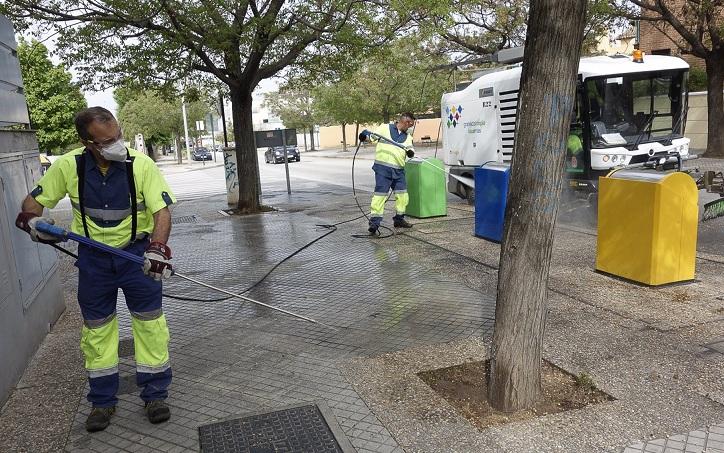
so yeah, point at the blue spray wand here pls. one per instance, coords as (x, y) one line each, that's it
(65, 235)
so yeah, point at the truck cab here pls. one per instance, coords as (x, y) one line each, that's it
(626, 112)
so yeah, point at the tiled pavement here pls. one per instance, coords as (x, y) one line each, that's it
(709, 439)
(231, 358)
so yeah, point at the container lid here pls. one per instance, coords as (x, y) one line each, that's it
(640, 175)
(496, 166)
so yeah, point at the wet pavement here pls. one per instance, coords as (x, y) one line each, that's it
(232, 358)
(429, 289)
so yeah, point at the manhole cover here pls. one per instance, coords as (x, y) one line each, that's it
(183, 219)
(310, 428)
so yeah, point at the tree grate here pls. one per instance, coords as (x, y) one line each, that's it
(309, 428)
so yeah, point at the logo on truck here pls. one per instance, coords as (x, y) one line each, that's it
(454, 114)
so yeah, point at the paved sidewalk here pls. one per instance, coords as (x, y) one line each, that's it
(431, 288)
(708, 439)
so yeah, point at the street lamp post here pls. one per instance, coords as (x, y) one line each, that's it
(186, 129)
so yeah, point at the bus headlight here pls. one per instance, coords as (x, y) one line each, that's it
(606, 157)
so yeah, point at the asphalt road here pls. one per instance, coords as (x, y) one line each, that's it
(211, 181)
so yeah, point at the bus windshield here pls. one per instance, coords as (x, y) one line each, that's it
(631, 109)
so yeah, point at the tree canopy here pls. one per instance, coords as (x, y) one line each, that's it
(158, 119)
(295, 107)
(162, 43)
(53, 99)
(395, 78)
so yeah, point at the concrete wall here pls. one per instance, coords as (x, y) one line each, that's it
(30, 294)
(331, 136)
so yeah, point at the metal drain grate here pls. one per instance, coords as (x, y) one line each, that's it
(184, 219)
(310, 428)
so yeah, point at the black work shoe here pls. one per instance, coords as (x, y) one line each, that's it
(373, 230)
(157, 411)
(99, 418)
(402, 223)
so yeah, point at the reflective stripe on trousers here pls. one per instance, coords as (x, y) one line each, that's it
(387, 178)
(377, 206)
(99, 344)
(99, 278)
(150, 342)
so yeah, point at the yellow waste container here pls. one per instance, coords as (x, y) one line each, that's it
(647, 226)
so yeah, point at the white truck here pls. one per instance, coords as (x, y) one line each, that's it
(626, 113)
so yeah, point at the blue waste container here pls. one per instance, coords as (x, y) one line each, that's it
(491, 194)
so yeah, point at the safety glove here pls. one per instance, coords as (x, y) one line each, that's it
(157, 262)
(364, 135)
(410, 152)
(27, 221)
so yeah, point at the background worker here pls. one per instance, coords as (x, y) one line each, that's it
(119, 198)
(389, 168)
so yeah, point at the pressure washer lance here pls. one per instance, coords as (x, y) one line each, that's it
(467, 181)
(65, 235)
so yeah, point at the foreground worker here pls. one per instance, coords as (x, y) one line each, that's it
(119, 198)
(389, 168)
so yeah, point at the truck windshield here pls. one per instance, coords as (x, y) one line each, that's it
(636, 108)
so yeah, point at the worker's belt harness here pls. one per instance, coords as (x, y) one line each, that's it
(108, 214)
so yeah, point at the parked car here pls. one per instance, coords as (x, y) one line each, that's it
(201, 153)
(275, 155)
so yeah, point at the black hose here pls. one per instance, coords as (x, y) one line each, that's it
(331, 227)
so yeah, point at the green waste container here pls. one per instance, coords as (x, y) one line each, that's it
(427, 188)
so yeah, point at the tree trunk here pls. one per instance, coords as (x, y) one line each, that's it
(246, 158)
(547, 95)
(304, 134)
(311, 138)
(356, 134)
(344, 137)
(177, 147)
(151, 151)
(715, 106)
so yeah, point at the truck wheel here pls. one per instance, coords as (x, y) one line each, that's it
(469, 193)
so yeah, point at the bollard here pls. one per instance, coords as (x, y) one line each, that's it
(231, 170)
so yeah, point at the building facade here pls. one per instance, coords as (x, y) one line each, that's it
(660, 38)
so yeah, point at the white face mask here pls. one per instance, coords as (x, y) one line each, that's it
(116, 151)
